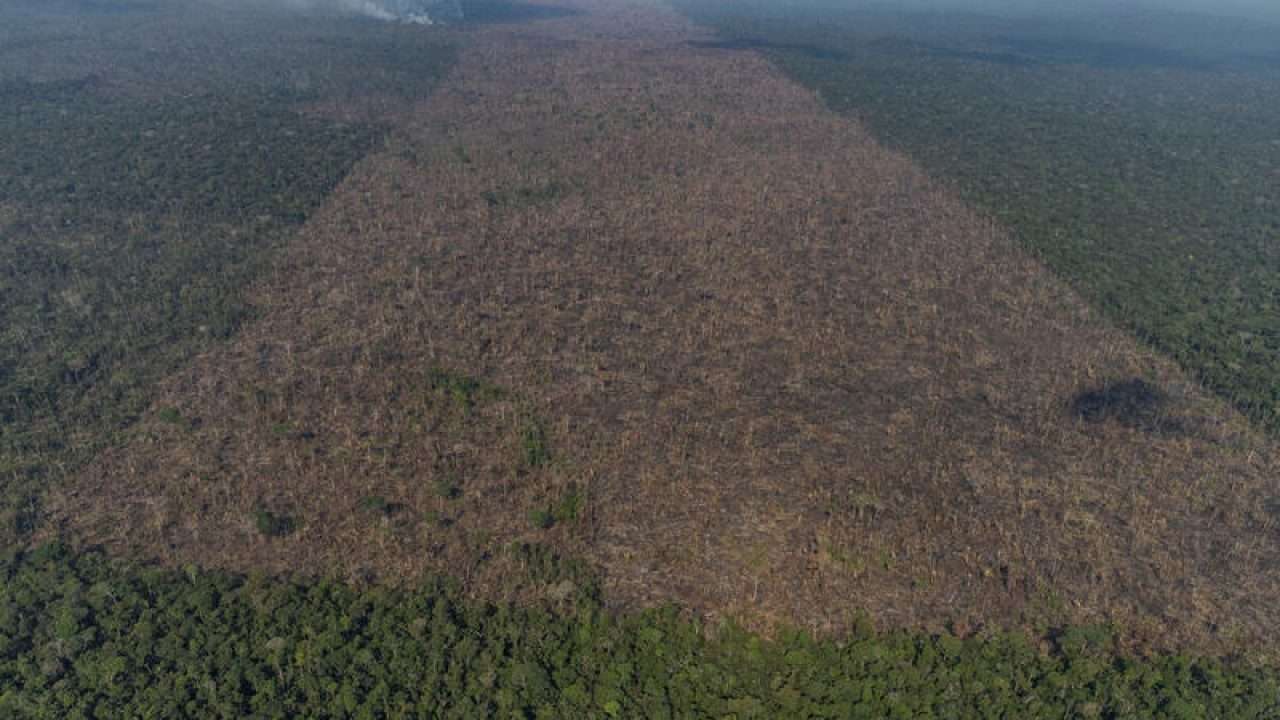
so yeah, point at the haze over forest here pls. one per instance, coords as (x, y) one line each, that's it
(1232, 8)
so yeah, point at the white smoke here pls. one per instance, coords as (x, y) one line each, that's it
(419, 12)
(368, 8)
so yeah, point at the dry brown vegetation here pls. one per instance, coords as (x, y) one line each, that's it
(787, 375)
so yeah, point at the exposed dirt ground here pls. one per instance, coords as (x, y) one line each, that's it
(788, 376)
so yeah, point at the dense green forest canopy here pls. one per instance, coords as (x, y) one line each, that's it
(87, 637)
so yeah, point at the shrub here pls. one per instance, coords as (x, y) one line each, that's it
(447, 488)
(541, 518)
(535, 452)
(273, 525)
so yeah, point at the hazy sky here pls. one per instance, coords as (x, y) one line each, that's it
(1262, 9)
(1251, 8)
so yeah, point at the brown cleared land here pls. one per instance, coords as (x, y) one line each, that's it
(787, 375)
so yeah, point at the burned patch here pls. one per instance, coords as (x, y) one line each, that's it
(1272, 507)
(1132, 403)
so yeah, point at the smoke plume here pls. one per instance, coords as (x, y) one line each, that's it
(424, 12)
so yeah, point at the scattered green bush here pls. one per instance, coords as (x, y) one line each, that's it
(447, 488)
(541, 518)
(435, 518)
(379, 505)
(565, 510)
(465, 391)
(171, 415)
(272, 524)
(535, 449)
(570, 504)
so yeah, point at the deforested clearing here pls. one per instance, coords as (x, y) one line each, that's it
(617, 289)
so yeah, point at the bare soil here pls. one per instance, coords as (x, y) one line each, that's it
(789, 377)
